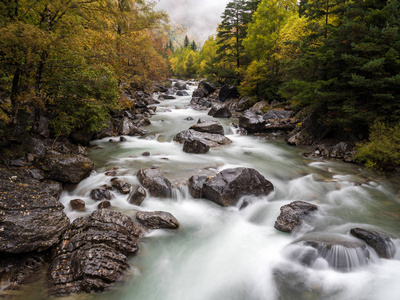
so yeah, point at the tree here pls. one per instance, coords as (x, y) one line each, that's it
(186, 42)
(193, 46)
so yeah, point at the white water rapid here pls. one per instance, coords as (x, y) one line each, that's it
(237, 254)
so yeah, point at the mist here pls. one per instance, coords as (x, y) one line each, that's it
(200, 17)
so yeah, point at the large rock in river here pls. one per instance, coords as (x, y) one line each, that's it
(380, 242)
(31, 217)
(228, 186)
(252, 122)
(93, 253)
(293, 215)
(208, 126)
(66, 168)
(155, 182)
(209, 139)
(157, 220)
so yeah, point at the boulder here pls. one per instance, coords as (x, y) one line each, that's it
(195, 185)
(277, 114)
(228, 186)
(31, 217)
(180, 86)
(228, 92)
(200, 93)
(380, 242)
(93, 253)
(220, 111)
(101, 194)
(200, 103)
(208, 86)
(82, 136)
(208, 139)
(157, 220)
(137, 196)
(127, 127)
(155, 182)
(182, 93)
(166, 97)
(77, 204)
(66, 168)
(122, 186)
(293, 215)
(195, 146)
(104, 205)
(208, 126)
(252, 122)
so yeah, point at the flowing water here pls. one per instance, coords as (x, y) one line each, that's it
(231, 253)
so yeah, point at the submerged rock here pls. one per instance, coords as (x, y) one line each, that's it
(157, 220)
(228, 186)
(31, 217)
(66, 168)
(93, 253)
(293, 215)
(380, 242)
(155, 182)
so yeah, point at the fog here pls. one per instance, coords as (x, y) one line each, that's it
(200, 17)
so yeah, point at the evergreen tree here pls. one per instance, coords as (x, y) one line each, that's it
(186, 43)
(194, 46)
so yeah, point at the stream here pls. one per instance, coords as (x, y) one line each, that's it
(235, 254)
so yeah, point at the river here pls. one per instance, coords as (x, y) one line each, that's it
(236, 254)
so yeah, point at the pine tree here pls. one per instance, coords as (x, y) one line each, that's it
(186, 43)
(194, 46)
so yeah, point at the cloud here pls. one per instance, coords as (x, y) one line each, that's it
(201, 17)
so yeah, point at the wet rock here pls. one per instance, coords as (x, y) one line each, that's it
(157, 220)
(166, 97)
(340, 252)
(155, 182)
(195, 185)
(182, 93)
(208, 86)
(380, 242)
(143, 122)
(180, 86)
(127, 127)
(200, 103)
(93, 253)
(278, 114)
(252, 122)
(228, 92)
(104, 205)
(292, 215)
(77, 204)
(228, 186)
(208, 126)
(189, 119)
(122, 139)
(195, 146)
(137, 196)
(209, 139)
(200, 93)
(31, 217)
(122, 186)
(101, 194)
(66, 168)
(147, 153)
(220, 111)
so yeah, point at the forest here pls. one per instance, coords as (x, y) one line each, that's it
(74, 59)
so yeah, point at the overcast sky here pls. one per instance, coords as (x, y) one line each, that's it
(200, 16)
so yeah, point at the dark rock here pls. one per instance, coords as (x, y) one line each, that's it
(228, 92)
(182, 93)
(157, 220)
(31, 218)
(104, 205)
(157, 87)
(278, 114)
(143, 122)
(112, 172)
(166, 97)
(220, 111)
(122, 186)
(37, 146)
(18, 162)
(189, 119)
(200, 93)
(42, 127)
(77, 204)
(341, 252)
(82, 136)
(200, 103)
(66, 168)
(180, 86)
(195, 185)
(252, 122)
(93, 253)
(36, 174)
(209, 126)
(208, 86)
(127, 127)
(122, 139)
(228, 186)
(380, 242)
(208, 139)
(147, 153)
(293, 215)
(101, 194)
(137, 196)
(195, 146)
(155, 182)
(170, 92)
